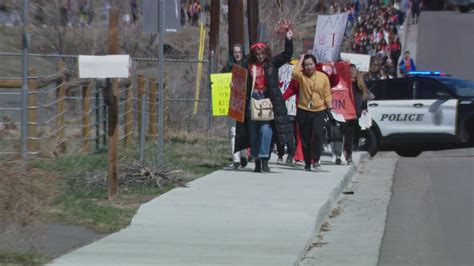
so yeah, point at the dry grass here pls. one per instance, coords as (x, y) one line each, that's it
(23, 194)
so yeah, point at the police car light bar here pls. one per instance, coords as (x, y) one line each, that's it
(427, 73)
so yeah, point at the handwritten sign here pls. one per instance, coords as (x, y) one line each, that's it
(238, 93)
(342, 98)
(220, 93)
(328, 37)
(361, 61)
(284, 74)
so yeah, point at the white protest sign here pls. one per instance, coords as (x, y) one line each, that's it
(104, 66)
(361, 61)
(328, 37)
(285, 74)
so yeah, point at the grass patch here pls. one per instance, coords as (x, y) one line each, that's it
(74, 164)
(22, 258)
(193, 156)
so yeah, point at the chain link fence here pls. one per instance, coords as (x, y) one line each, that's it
(68, 115)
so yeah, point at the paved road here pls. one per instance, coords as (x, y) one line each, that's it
(356, 224)
(430, 216)
(446, 43)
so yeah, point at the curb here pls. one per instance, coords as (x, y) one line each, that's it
(326, 208)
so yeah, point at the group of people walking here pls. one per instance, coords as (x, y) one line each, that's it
(311, 85)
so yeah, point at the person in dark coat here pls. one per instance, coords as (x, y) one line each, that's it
(258, 134)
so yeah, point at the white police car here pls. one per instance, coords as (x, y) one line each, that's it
(423, 111)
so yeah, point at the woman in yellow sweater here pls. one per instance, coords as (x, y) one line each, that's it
(313, 105)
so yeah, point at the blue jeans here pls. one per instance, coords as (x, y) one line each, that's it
(260, 135)
(260, 139)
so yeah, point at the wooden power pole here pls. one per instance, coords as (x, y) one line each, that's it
(236, 23)
(215, 21)
(253, 17)
(113, 131)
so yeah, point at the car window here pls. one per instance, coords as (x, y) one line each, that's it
(378, 89)
(463, 88)
(430, 89)
(400, 89)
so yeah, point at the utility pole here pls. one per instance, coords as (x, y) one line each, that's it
(113, 131)
(215, 22)
(236, 23)
(161, 27)
(24, 86)
(253, 17)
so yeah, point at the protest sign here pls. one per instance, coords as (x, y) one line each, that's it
(220, 86)
(238, 93)
(361, 61)
(285, 74)
(342, 97)
(328, 37)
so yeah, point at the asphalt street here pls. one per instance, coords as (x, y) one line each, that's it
(446, 43)
(430, 215)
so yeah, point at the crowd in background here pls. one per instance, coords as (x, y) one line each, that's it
(375, 33)
(191, 11)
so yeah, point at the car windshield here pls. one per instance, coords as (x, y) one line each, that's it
(463, 88)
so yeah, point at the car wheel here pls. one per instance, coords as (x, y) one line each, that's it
(408, 152)
(463, 9)
(368, 142)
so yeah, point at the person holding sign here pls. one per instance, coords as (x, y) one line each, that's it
(263, 92)
(239, 58)
(314, 104)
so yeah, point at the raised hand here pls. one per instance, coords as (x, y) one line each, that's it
(289, 34)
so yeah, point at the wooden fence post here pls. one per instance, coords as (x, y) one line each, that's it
(32, 110)
(153, 110)
(61, 110)
(166, 106)
(141, 91)
(113, 131)
(86, 109)
(128, 116)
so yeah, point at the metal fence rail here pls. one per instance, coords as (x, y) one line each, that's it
(68, 116)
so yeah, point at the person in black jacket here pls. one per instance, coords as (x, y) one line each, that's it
(258, 134)
(351, 128)
(237, 57)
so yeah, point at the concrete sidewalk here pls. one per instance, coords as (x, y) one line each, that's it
(230, 217)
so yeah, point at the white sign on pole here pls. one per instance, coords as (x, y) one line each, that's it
(285, 74)
(104, 66)
(328, 37)
(361, 61)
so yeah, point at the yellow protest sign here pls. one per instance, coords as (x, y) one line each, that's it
(220, 93)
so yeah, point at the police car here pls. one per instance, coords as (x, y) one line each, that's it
(423, 111)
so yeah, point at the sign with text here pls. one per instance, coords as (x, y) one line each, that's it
(284, 74)
(151, 15)
(342, 98)
(220, 86)
(328, 37)
(361, 61)
(104, 66)
(238, 93)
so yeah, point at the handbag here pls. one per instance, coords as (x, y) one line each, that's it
(260, 110)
